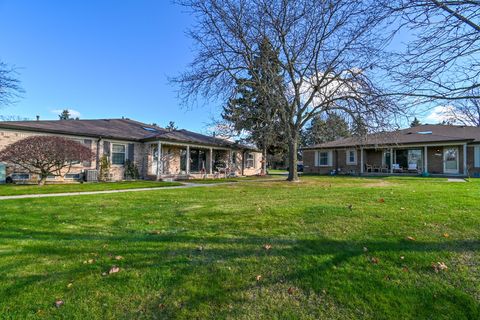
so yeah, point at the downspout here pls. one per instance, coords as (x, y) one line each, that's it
(97, 157)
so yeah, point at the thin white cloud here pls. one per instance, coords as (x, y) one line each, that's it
(73, 113)
(439, 114)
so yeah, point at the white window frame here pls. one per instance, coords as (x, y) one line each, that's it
(72, 174)
(19, 173)
(476, 156)
(124, 153)
(247, 159)
(329, 158)
(354, 162)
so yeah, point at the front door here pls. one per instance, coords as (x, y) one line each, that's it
(450, 160)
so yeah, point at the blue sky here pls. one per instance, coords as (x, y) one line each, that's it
(103, 59)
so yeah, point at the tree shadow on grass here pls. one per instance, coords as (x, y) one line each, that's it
(198, 268)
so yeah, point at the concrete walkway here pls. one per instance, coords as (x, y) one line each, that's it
(83, 193)
(456, 180)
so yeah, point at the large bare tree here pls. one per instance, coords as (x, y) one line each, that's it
(9, 84)
(465, 112)
(441, 59)
(326, 51)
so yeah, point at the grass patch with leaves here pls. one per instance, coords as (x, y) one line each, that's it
(331, 248)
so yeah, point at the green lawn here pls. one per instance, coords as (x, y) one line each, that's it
(18, 189)
(324, 248)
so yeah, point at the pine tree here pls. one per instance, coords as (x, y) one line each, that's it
(65, 115)
(171, 126)
(322, 130)
(415, 123)
(254, 109)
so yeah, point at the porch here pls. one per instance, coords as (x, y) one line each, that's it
(175, 161)
(415, 160)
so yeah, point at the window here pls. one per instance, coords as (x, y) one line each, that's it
(324, 158)
(351, 156)
(20, 176)
(72, 176)
(234, 157)
(477, 156)
(118, 154)
(250, 160)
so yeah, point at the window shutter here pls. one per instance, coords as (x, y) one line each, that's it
(255, 161)
(316, 159)
(88, 144)
(330, 158)
(131, 151)
(106, 148)
(477, 156)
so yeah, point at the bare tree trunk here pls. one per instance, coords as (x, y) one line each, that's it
(292, 159)
(42, 181)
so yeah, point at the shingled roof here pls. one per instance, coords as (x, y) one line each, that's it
(122, 129)
(423, 134)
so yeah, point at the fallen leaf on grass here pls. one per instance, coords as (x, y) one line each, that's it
(291, 290)
(411, 238)
(402, 257)
(381, 200)
(405, 269)
(59, 303)
(154, 232)
(118, 258)
(374, 260)
(446, 235)
(161, 306)
(258, 278)
(114, 269)
(69, 285)
(365, 249)
(350, 207)
(439, 266)
(267, 246)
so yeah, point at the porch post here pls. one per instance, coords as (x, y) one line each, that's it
(391, 160)
(361, 160)
(230, 164)
(211, 161)
(465, 171)
(425, 159)
(159, 157)
(188, 160)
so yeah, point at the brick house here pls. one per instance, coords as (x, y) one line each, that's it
(157, 153)
(426, 149)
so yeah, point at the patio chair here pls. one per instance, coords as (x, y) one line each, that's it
(396, 168)
(384, 168)
(368, 168)
(412, 167)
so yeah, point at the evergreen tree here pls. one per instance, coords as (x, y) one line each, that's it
(65, 115)
(323, 130)
(254, 109)
(415, 123)
(171, 126)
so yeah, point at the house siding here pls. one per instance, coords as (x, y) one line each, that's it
(375, 157)
(8, 137)
(142, 156)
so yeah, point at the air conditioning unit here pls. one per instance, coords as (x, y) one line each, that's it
(91, 175)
